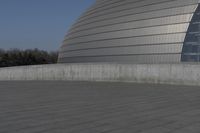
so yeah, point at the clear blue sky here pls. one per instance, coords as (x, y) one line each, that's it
(37, 23)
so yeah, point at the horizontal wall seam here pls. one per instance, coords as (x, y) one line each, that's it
(120, 55)
(137, 45)
(108, 4)
(76, 37)
(156, 3)
(100, 20)
(76, 43)
(127, 22)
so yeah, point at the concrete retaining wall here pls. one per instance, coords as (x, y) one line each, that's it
(180, 74)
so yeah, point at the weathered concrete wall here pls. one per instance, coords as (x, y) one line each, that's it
(182, 74)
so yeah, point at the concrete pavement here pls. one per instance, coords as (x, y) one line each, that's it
(93, 107)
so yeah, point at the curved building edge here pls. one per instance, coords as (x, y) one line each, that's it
(135, 31)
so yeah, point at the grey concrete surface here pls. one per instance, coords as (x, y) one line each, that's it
(180, 74)
(98, 107)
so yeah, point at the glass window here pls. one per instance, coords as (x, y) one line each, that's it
(191, 46)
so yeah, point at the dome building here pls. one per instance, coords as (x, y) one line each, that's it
(135, 31)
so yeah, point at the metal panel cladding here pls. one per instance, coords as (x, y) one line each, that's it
(131, 31)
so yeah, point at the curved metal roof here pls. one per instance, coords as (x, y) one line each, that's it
(133, 31)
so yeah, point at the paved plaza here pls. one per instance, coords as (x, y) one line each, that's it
(91, 107)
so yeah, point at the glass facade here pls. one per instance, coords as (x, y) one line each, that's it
(191, 46)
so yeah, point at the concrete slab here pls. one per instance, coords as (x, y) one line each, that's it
(179, 74)
(91, 107)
